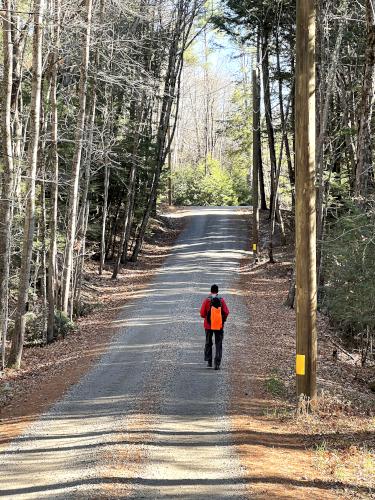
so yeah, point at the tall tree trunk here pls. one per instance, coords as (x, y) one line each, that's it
(262, 189)
(19, 36)
(349, 142)
(85, 203)
(54, 169)
(130, 192)
(107, 170)
(290, 156)
(274, 206)
(364, 153)
(328, 91)
(169, 171)
(206, 106)
(43, 251)
(81, 257)
(76, 164)
(104, 218)
(130, 224)
(256, 160)
(7, 175)
(23, 291)
(268, 109)
(40, 272)
(282, 120)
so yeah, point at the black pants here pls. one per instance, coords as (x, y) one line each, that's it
(218, 346)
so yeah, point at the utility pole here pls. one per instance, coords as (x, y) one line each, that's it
(256, 159)
(306, 287)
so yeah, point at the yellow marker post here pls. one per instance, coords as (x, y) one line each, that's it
(300, 364)
(255, 247)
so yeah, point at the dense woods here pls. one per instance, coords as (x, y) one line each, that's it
(109, 107)
(90, 96)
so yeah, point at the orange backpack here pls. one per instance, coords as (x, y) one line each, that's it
(215, 316)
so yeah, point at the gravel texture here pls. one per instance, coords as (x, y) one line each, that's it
(149, 420)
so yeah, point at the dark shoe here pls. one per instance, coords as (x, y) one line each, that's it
(209, 364)
(217, 367)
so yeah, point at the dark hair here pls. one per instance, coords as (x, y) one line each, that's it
(214, 289)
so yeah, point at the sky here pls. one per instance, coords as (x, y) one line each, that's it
(224, 55)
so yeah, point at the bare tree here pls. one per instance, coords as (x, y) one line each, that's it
(23, 292)
(256, 160)
(6, 177)
(76, 164)
(54, 168)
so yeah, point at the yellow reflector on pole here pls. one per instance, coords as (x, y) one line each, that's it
(254, 247)
(300, 364)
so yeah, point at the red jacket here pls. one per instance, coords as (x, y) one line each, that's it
(206, 308)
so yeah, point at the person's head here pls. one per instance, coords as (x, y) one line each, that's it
(214, 289)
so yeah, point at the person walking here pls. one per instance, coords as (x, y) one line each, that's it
(215, 312)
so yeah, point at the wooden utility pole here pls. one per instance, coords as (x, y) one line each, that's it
(306, 287)
(256, 160)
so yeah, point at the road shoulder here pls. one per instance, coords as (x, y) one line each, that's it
(286, 457)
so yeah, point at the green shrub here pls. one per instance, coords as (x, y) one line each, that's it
(349, 290)
(34, 328)
(63, 324)
(192, 187)
(187, 188)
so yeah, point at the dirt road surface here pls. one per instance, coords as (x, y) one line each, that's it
(149, 420)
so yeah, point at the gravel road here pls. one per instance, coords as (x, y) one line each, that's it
(149, 420)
